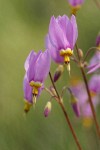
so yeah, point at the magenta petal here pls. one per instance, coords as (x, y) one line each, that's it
(94, 83)
(75, 2)
(56, 34)
(80, 93)
(95, 59)
(53, 51)
(31, 55)
(42, 66)
(27, 90)
(86, 110)
(75, 30)
(94, 63)
(32, 66)
(40, 90)
(69, 34)
(93, 68)
(63, 21)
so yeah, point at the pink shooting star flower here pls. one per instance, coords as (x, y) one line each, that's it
(75, 5)
(61, 38)
(37, 67)
(83, 105)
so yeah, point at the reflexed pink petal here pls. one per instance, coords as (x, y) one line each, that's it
(69, 34)
(75, 2)
(53, 51)
(32, 66)
(94, 63)
(75, 30)
(94, 83)
(42, 66)
(56, 34)
(27, 90)
(31, 55)
(94, 68)
(79, 91)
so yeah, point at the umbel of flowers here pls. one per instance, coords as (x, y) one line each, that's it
(60, 42)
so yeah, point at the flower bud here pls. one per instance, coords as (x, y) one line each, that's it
(53, 90)
(75, 106)
(47, 109)
(80, 53)
(85, 64)
(58, 72)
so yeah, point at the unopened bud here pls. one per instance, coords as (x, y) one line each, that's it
(27, 106)
(80, 53)
(85, 64)
(47, 109)
(52, 90)
(58, 72)
(75, 106)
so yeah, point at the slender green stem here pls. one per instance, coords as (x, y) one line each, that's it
(46, 89)
(66, 115)
(90, 101)
(88, 52)
(88, 92)
(97, 3)
(70, 126)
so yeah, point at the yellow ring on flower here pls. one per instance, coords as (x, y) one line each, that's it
(36, 86)
(66, 54)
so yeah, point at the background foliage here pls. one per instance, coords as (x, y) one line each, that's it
(23, 26)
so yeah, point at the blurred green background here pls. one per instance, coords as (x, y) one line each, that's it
(23, 27)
